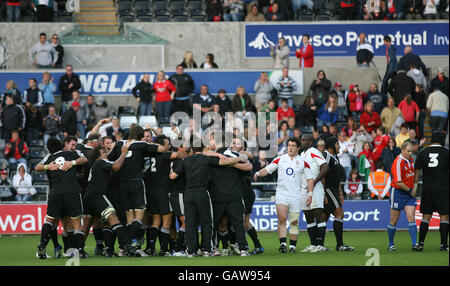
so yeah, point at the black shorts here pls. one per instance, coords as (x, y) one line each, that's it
(333, 200)
(177, 203)
(98, 205)
(434, 199)
(133, 195)
(65, 204)
(159, 203)
(249, 200)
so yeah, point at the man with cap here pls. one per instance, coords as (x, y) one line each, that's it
(69, 120)
(439, 81)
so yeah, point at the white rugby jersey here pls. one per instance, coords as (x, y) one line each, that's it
(290, 173)
(314, 159)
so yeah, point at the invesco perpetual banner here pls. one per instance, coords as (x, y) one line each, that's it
(340, 39)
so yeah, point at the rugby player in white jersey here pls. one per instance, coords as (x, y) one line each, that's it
(290, 166)
(312, 202)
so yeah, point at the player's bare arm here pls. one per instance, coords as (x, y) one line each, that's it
(69, 164)
(41, 167)
(173, 175)
(243, 166)
(310, 185)
(322, 173)
(260, 173)
(230, 161)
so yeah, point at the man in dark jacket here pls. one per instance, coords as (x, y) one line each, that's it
(378, 99)
(143, 93)
(392, 64)
(185, 86)
(12, 117)
(439, 81)
(59, 49)
(405, 62)
(400, 85)
(69, 120)
(223, 101)
(67, 84)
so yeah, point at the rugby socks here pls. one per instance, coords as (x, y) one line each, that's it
(254, 236)
(65, 239)
(98, 235)
(164, 237)
(79, 239)
(423, 230)
(141, 232)
(413, 232)
(108, 237)
(443, 229)
(321, 231)
(121, 234)
(292, 243)
(54, 236)
(312, 232)
(180, 239)
(282, 240)
(152, 234)
(45, 233)
(71, 239)
(391, 234)
(135, 229)
(231, 236)
(338, 226)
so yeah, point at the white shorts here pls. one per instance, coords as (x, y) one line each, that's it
(293, 202)
(317, 198)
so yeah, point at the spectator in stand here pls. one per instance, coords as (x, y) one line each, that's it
(351, 127)
(284, 112)
(348, 9)
(345, 154)
(409, 58)
(59, 49)
(358, 139)
(184, 86)
(324, 132)
(374, 10)
(12, 90)
(378, 99)
(67, 84)
(164, 94)
(439, 81)
(33, 123)
(12, 118)
(391, 59)
(143, 92)
(90, 106)
(410, 112)
(69, 120)
(419, 98)
(291, 125)
(6, 194)
(268, 108)
(23, 184)
(44, 10)
(395, 9)
(209, 63)
(254, 15)
(370, 118)
(443, 8)
(280, 54)
(286, 86)
(263, 89)
(275, 14)
(430, 12)
(321, 145)
(396, 127)
(13, 10)
(203, 101)
(342, 101)
(101, 110)
(48, 88)
(320, 88)
(356, 98)
(305, 53)
(283, 137)
(82, 114)
(400, 85)
(233, 10)
(364, 52)
(366, 154)
(32, 95)
(403, 135)
(413, 137)
(417, 75)
(223, 101)
(188, 61)
(379, 183)
(381, 141)
(16, 150)
(316, 137)
(389, 154)
(51, 125)
(297, 4)
(242, 103)
(437, 105)
(114, 130)
(414, 9)
(354, 187)
(307, 115)
(328, 113)
(389, 114)
(214, 10)
(43, 54)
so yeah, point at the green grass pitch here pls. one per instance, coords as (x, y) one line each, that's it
(21, 251)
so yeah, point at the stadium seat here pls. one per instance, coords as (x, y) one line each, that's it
(32, 164)
(37, 177)
(304, 14)
(127, 120)
(161, 9)
(150, 119)
(178, 8)
(126, 19)
(180, 18)
(36, 152)
(198, 19)
(142, 8)
(36, 143)
(12, 172)
(130, 110)
(125, 8)
(41, 187)
(28, 18)
(162, 19)
(196, 8)
(145, 18)
(65, 19)
(323, 17)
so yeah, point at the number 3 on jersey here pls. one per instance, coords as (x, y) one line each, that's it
(433, 160)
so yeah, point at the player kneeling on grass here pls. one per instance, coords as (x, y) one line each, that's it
(290, 167)
(403, 196)
(99, 205)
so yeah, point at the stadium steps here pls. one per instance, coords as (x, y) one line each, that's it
(97, 17)
(427, 131)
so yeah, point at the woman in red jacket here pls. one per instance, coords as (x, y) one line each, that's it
(370, 119)
(164, 94)
(410, 111)
(306, 53)
(356, 98)
(380, 142)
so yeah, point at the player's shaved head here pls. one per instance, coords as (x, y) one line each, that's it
(306, 141)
